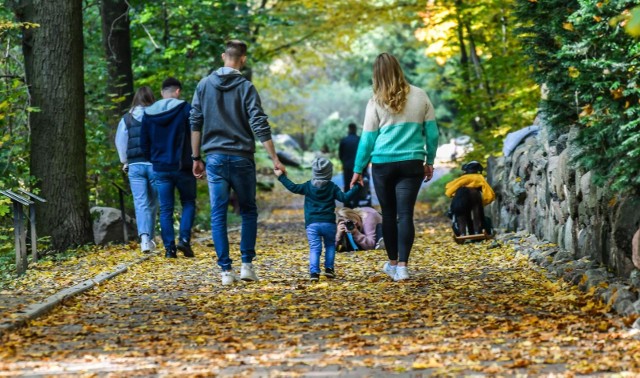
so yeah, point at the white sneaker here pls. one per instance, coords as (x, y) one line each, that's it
(247, 273)
(401, 274)
(146, 243)
(389, 269)
(228, 277)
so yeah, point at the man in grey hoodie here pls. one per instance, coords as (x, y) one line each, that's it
(226, 117)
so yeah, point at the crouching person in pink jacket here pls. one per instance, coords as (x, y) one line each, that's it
(359, 229)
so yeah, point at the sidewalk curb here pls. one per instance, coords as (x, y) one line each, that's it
(41, 308)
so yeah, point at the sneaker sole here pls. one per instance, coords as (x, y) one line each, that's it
(392, 276)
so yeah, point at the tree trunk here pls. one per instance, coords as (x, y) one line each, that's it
(54, 72)
(116, 42)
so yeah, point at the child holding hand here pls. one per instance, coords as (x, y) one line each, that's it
(319, 213)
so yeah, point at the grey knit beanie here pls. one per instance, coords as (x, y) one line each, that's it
(322, 171)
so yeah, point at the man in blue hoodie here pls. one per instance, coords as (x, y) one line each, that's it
(226, 118)
(166, 142)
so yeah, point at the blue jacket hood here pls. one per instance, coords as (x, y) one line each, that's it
(163, 106)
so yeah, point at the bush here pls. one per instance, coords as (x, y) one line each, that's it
(580, 51)
(434, 193)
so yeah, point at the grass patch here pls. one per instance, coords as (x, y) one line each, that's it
(434, 193)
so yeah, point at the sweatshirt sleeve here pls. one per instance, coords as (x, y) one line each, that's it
(431, 133)
(122, 137)
(291, 186)
(196, 118)
(370, 131)
(452, 186)
(488, 195)
(344, 197)
(257, 118)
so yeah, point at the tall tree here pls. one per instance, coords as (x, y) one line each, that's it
(116, 42)
(475, 43)
(53, 54)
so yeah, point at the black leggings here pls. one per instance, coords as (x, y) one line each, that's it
(397, 185)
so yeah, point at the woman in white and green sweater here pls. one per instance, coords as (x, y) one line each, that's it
(400, 138)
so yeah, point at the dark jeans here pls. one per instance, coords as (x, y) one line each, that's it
(397, 185)
(467, 206)
(347, 175)
(166, 183)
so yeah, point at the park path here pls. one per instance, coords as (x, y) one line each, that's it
(476, 309)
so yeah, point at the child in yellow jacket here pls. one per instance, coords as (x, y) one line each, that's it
(470, 193)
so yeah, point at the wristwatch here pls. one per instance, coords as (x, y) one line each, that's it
(196, 158)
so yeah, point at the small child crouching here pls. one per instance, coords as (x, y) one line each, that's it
(470, 193)
(319, 213)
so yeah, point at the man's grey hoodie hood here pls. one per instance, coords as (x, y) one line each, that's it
(227, 110)
(226, 79)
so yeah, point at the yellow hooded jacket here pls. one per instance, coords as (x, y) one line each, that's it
(471, 180)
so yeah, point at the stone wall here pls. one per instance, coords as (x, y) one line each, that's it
(540, 190)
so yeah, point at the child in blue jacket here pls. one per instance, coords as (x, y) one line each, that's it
(319, 213)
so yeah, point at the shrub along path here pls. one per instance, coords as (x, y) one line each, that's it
(468, 309)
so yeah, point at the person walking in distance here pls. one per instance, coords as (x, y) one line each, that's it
(347, 154)
(225, 119)
(167, 144)
(400, 137)
(138, 167)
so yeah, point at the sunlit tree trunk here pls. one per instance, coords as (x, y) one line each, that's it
(53, 54)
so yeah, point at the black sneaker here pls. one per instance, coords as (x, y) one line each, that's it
(329, 273)
(185, 248)
(314, 276)
(171, 253)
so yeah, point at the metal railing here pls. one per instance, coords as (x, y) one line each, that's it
(121, 193)
(19, 230)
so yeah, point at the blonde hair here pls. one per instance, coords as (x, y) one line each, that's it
(354, 215)
(390, 88)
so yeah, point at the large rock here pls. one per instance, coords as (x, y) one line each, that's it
(107, 225)
(624, 225)
(635, 249)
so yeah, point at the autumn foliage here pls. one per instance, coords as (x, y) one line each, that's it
(471, 309)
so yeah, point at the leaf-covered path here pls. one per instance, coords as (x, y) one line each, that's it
(467, 310)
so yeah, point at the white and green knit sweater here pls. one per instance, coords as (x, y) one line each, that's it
(409, 135)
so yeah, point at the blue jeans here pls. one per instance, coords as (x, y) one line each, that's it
(225, 172)
(166, 184)
(145, 198)
(316, 234)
